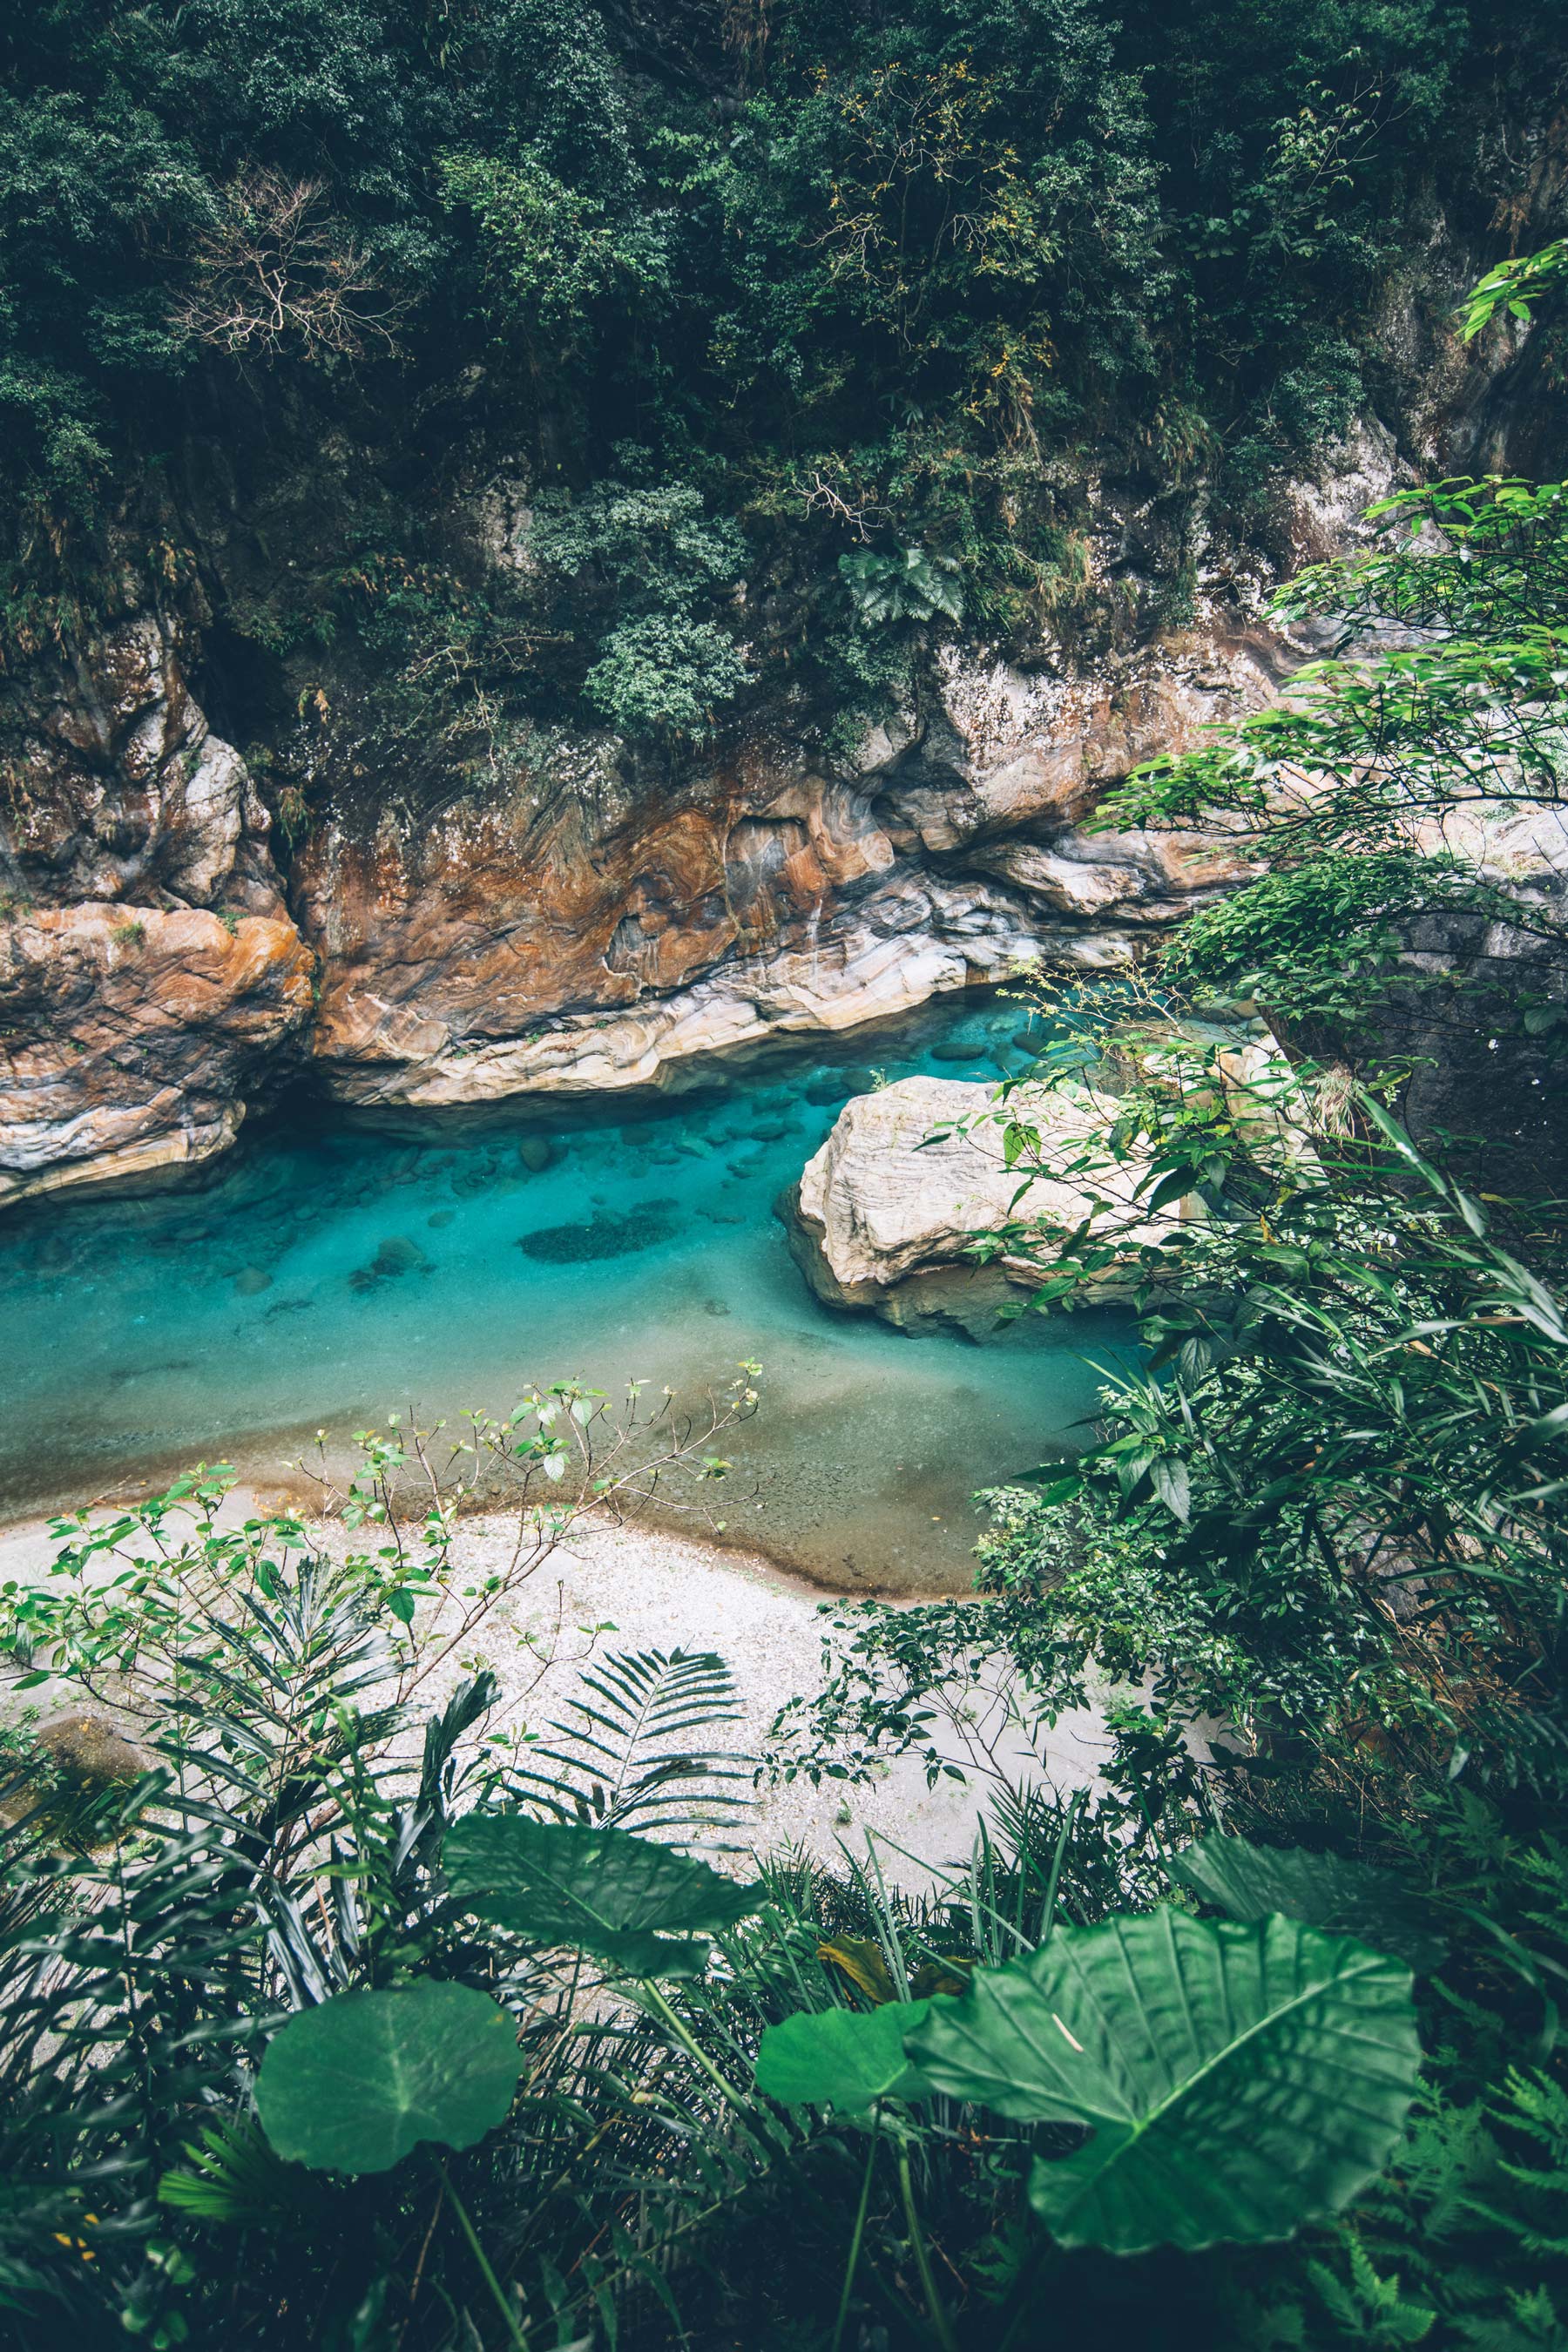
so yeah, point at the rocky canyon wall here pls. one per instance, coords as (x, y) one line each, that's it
(587, 919)
(555, 935)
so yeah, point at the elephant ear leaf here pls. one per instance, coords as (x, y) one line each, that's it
(1349, 1899)
(1234, 2082)
(843, 2058)
(636, 1905)
(354, 2085)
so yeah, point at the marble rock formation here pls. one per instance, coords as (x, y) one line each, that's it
(114, 786)
(132, 1039)
(152, 984)
(578, 917)
(883, 1217)
(569, 934)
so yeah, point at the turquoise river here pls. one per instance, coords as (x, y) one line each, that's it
(330, 1272)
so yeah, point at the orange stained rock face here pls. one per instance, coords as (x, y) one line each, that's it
(137, 1037)
(598, 919)
(493, 920)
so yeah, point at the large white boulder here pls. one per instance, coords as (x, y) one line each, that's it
(883, 1217)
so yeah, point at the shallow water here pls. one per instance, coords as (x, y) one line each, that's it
(333, 1274)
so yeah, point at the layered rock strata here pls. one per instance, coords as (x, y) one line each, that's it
(133, 1039)
(153, 983)
(575, 919)
(565, 934)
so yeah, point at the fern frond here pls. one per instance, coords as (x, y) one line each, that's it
(624, 1754)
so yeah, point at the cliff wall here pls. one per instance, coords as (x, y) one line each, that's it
(189, 929)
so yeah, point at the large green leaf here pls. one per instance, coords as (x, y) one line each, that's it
(1348, 1897)
(623, 1899)
(1235, 2080)
(353, 2086)
(842, 2057)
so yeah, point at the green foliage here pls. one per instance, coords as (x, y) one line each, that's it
(334, 1885)
(1327, 940)
(1213, 2065)
(550, 255)
(1372, 744)
(664, 675)
(1326, 1890)
(891, 280)
(356, 2083)
(624, 1753)
(1320, 1531)
(232, 2176)
(842, 2057)
(636, 1905)
(285, 1856)
(910, 586)
(1515, 286)
(648, 567)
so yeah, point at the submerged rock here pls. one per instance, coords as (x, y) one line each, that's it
(397, 1256)
(536, 1152)
(836, 1086)
(883, 1217)
(601, 1236)
(478, 1176)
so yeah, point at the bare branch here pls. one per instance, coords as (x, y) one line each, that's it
(823, 499)
(279, 271)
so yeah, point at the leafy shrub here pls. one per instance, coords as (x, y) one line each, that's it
(664, 675)
(655, 559)
(910, 585)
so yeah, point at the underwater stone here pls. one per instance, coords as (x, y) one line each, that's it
(836, 1086)
(397, 1256)
(479, 1178)
(601, 1236)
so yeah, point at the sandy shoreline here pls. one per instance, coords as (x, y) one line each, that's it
(640, 1588)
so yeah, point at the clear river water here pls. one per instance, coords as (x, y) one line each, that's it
(330, 1272)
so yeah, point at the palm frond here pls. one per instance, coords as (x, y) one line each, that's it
(232, 2176)
(625, 1754)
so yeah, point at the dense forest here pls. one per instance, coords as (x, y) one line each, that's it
(789, 352)
(805, 328)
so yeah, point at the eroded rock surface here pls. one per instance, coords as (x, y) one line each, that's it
(133, 1039)
(136, 1025)
(115, 787)
(571, 917)
(567, 935)
(883, 1217)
